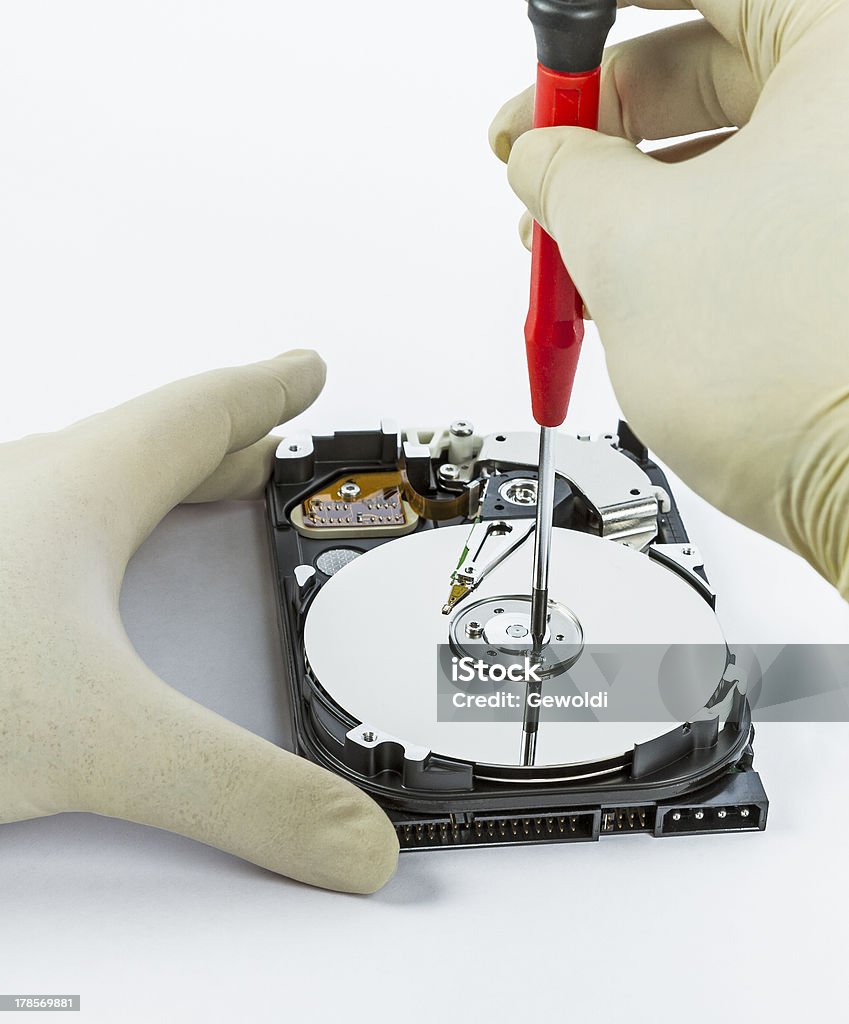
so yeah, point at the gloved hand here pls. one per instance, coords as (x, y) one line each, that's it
(718, 284)
(84, 724)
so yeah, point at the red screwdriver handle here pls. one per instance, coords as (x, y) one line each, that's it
(570, 37)
(555, 326)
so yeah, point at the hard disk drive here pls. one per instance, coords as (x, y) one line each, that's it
(402, 562)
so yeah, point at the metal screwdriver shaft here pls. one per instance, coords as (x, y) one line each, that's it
(542, 536)
(539, 589)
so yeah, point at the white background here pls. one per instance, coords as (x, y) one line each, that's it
(186, 185)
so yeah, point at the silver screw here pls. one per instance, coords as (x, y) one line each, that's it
(676, 816)
(744, 813)
(449, 472)
(350, 490)
(722, 814)
(474, 630)
(699, 815)
(461, 428)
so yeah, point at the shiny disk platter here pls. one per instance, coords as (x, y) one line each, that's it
(375, 631)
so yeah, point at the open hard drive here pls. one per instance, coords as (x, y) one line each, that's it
(403, 557)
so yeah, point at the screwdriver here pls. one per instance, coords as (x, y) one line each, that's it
(571, 36)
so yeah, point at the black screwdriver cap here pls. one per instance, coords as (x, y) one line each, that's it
(571, 34)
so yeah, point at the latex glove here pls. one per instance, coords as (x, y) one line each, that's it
(84, 724)
(719, 284)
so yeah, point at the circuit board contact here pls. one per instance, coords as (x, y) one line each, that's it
(355, 505)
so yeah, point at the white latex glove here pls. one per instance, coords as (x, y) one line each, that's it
(84, 724)
(719, 284)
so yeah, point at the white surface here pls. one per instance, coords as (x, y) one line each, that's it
(384, 614)
(173, 178)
